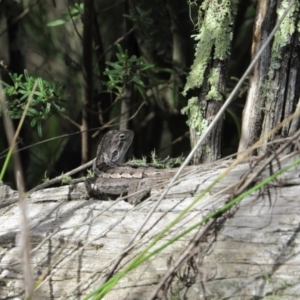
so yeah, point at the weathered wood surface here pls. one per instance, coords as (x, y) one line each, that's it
(255, 253)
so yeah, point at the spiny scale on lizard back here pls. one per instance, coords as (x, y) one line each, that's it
(112, 149)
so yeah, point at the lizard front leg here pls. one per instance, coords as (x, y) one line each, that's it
(92, 187)
(143, 188)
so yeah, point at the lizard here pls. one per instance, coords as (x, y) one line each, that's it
(112, 179)
(111, 150)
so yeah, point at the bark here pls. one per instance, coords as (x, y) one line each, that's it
(253, 113)
(211, 149)
(274, 85)
(284, 82)
(14, 11)
(87, 58)
(250, 253)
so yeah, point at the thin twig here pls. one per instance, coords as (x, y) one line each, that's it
(25, 235)
(74, 25)
(246, 182)
(59, 178)
(109, 124)
(116, 42)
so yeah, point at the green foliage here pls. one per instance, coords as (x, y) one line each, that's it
(165, 163)
(5, 165)
(73, 13)
(46, 100)
(90, 173)
(141, 19)
(46, 177)
(137, 162)
(66, 179)
(124, 71)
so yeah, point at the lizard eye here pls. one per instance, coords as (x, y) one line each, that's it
(122, 136)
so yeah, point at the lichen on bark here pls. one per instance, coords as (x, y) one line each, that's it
(215, 19)
(195, 112)
(282, 37)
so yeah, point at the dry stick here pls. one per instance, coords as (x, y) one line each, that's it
(46, 140)
(116, 42)
(70, 120)
(24, 239)
(261, 168)
(208, 130)
(72, 19)
(59, 178)
(108, 124)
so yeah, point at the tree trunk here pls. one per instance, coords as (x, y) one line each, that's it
(208, 74)
(275, 83)
(87, 70)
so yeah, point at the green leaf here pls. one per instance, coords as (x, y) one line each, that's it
(147, 67)
(25, 96)
(56, 23)
(137, 81)
(32, 112)
(33, 122)
(141, 91)
(48, 109)
(114, 65)
(39, 128)
(120, 49)
(26, 75)
(40, 84)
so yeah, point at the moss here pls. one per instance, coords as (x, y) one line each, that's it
(156, 162)
(66, 179)
(215, 19)
(137, 162)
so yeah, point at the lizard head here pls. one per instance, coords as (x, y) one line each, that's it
(120, 143)
(114, 146)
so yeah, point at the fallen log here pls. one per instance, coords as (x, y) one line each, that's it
(250, 251)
